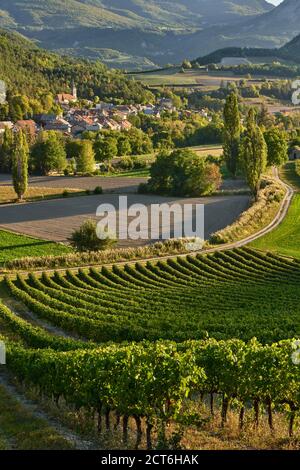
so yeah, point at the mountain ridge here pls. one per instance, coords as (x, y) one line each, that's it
(144, 33)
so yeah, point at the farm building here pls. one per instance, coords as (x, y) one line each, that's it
(294, 153)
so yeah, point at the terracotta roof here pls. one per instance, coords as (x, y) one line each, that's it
(62, 97)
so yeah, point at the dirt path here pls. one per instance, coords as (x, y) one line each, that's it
(78, 442)
(21, 311)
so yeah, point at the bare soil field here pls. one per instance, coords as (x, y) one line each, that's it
(55, 220)
(109, 184)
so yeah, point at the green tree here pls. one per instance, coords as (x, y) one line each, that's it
(140, 142)
(105, 149)
(186, 64)
(48, 154)
(124, 147)
(183, 173)
(232, 132)
(19, 107)
(253, 153)
(83, 152)
(20, 164)
(6, 149)
(277, 143)
(87, 238)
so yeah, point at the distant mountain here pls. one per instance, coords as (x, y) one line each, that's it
(128, 33)
(290, 52)
(292, 49)
(56, 14)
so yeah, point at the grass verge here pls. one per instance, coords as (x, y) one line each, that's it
(8, 195)
(258, 216)
(290, 176)
(285, 239)
(21, 430)
(68, 260)
(13, 245)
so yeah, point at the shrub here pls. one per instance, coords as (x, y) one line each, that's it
(143, 188)
(259, 215)
(163, 248)
(126, 163)
(87, 238)
(140, 163)
(65, 193)
(98, 190)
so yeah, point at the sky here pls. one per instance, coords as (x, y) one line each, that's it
(275, 2)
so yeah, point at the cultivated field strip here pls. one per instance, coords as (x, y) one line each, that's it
(239, 293)
(170, 331)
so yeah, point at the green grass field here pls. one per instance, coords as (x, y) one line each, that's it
(13, 246)
(285, 239)
(288, 174)
(21, 429)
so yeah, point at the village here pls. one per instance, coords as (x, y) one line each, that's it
(74, 119)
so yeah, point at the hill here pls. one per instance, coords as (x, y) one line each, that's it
(56, 14)
(107, 29)
(289, 52)
(33, 71)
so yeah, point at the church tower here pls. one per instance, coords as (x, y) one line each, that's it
(74, 90)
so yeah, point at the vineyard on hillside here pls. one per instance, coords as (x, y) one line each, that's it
(241, 293)
(144, 341)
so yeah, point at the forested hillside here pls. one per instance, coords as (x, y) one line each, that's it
(32, 71)
(289, 52)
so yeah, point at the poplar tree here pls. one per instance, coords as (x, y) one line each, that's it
(253, 153)
(232, 133)
(6, 148)
(20, 164)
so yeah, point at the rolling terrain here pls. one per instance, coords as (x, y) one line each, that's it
(140, 34)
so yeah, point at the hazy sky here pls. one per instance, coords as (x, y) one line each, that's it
(275, 2)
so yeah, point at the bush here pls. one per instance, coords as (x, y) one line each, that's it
(259, 214)
(183, 173)
(98, 190)
(158, 249)
(65, 193)
(126, 163)
(143, 188)
(86, 238)
(140, 163)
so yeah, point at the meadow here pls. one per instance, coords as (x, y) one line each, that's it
(13, 245)
(285, 239)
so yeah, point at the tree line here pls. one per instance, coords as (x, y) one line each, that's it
(249, 146)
